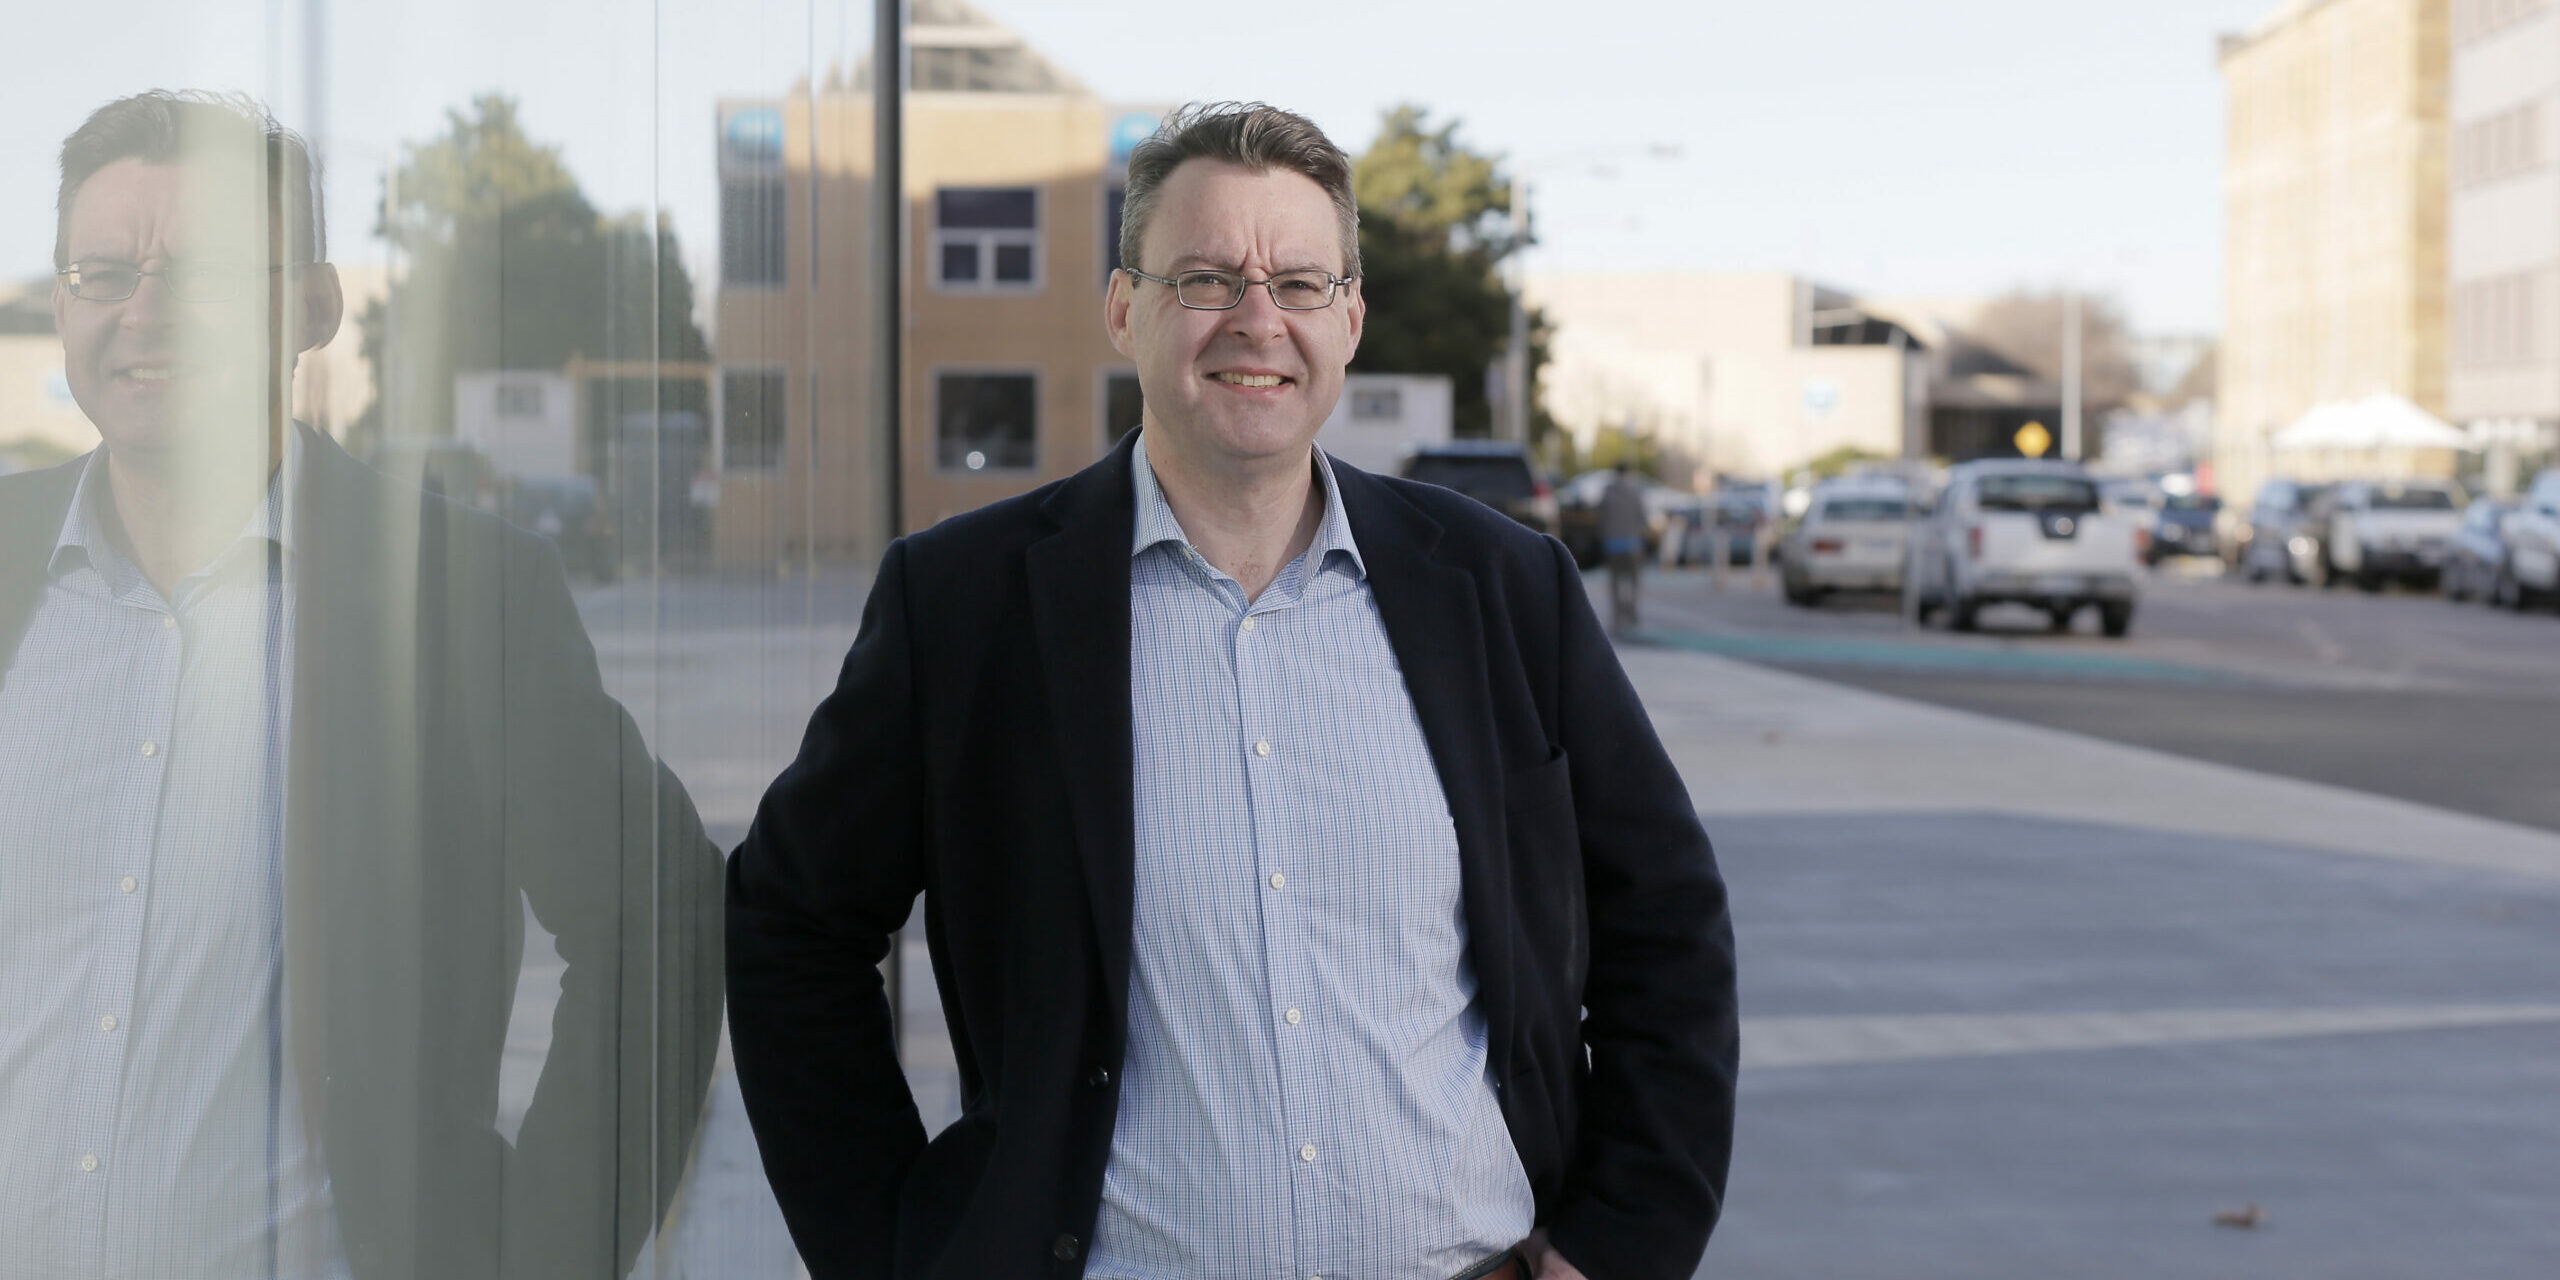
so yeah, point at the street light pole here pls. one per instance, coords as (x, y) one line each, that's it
(2071, 374)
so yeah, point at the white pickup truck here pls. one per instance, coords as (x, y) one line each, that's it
(2013, 531)
(2380, 530)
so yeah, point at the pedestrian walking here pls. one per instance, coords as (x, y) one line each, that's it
(1622, 524)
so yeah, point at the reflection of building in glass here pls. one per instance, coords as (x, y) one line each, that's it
(2503, 237)
(1013, 223)
(2334, 220)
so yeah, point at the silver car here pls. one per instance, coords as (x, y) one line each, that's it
(1855, 536)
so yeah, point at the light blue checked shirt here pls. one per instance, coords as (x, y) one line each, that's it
(1305, 1091)
(149, 1125)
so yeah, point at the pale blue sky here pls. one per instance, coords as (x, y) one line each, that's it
(1888, 147)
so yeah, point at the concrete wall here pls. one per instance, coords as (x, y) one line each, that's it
(2505, 218)
(1363, 433)
(2334, 185)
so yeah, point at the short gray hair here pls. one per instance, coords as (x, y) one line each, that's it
(1256, 135)
(160, 126)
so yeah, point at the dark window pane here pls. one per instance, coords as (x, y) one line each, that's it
(1123, 406)
(960, 263)
(1013, 263)
(986, 421)
(985, 208)
(751, 409)
(752, 249)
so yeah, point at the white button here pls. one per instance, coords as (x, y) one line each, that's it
(128, 884)
(168, 622)
(150, 749)
(1248, 624)
(107, 1023)
(89, 1164)
(1279, 881)
(1259, 748)
(1293, 1017)
(1306, 1153)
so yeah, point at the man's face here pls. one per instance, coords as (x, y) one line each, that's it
(168, 376)
(1198, 368)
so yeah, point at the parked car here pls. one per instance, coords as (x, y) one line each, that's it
(2284, 534)
(2391, 530)
(2477, 555)
(1492, 472)
(2182, 525)
(568, 511)
(1731, 521)
(2025, 532)
(2533, 545)
(1855, 536)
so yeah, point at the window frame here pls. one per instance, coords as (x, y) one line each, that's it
(987, 240)
(933, 421)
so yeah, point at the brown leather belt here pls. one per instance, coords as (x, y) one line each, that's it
(1505, 1265)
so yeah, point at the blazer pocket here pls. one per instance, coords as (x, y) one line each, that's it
(1546, 865)
(1539, 786)
(939, 1187)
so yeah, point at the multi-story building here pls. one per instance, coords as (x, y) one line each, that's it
(2334, 222)
(2503, 240)
(1013, 197)
(1746, 373)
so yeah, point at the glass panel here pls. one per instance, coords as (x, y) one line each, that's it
(986, 421)
(986, 208)
(1013, 263)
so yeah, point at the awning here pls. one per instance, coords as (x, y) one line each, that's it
(2378, 421)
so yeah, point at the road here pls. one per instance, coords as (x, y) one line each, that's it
(2397, 694)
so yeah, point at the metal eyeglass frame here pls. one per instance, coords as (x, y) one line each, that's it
(70, 276)
(1333, 287)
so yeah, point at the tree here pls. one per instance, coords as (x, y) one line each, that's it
(509, 266)
(1434, 229)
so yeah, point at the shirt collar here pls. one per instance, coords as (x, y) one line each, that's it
(1156, 523)
(83, 535)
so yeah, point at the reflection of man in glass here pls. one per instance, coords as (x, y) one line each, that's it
(285, 750)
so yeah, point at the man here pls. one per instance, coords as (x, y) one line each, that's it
(287, 749)
(1277, 825)
(1622, 525)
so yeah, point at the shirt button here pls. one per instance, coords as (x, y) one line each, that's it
(1259, 748)
(89, 1164)
(1064, 1248)
(1248, 624)
(1293, 1017)
(1308, 1153)
(127, 885)
(1279, 881)
(150, 749)
(107, 1023)
(168, 622)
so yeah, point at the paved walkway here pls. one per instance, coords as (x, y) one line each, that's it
(2021, 1003)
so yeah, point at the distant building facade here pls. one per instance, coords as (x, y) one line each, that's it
(2503, 240)
(1743, 373)
(1013, 193)
(2334, 215)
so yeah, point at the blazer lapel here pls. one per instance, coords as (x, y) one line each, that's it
(1436, 629)
(30, 521)
(1079, 585)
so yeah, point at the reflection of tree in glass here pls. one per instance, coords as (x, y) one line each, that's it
(1433, 227)
(508, 266)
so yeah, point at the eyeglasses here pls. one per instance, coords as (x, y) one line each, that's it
(187, 282)
(1222, 290)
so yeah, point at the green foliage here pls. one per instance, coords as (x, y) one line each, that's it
(1641, 449)
(511, 267)
(1434, 230)
(1837, 461)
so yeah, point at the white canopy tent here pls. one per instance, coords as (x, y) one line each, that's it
(2378, 421)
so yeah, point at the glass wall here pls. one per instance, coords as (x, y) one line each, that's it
(473, 533)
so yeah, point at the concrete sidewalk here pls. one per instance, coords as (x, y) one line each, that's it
(2021, 1003)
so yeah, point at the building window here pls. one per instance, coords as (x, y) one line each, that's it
(986, 421)
(1115, 205)
(1123, 406)
(751, 419)
(752, 250)
(519, 399)
(1377, 404)
(986, 238)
